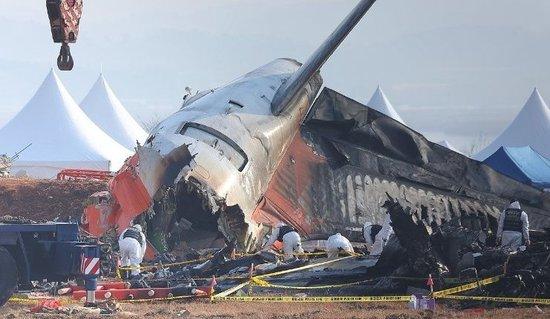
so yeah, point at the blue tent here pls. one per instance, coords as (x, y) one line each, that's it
(523, 164)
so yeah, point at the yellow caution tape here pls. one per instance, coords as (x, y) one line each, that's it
(320, 253)
(282, 272)
(540, 301)
(71, 301)
(231, 290)
(466, 287)
(450, 280)
(156, 299)
(207, 258)
(65, 301)
(24, 300)
(165, 265)
(315, 299)
(221, 278)
(257, 278)
(263, 283)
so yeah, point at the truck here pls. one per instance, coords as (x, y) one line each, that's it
(49, 251)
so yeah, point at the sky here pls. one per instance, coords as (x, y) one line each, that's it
(455, 70)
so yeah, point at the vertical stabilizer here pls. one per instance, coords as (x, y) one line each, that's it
(288, 91)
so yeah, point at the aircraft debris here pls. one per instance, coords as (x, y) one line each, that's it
(462, 248)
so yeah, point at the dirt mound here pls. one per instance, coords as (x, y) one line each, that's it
(46, 200)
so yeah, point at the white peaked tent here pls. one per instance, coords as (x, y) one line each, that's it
(448, 145)
(380, 102)
(62, 136)
(531, 127)
(103, 107)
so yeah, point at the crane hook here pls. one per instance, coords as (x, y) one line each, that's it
(64, 16)
(65, 61)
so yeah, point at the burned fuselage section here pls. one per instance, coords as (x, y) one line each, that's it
(346, 158)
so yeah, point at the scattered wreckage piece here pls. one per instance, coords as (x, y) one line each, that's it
(527, 274)
(414, 239)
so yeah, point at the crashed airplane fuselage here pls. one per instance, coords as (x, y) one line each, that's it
(221, 147)
(216, 155)
(247, 155)
(224, 147)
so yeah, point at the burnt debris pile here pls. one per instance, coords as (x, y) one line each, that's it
(463, 250)
(456, 252)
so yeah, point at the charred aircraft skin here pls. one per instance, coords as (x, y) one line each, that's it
(347, 158)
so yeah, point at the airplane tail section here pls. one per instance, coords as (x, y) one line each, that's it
(288, 91)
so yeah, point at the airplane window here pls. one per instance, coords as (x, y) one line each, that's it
(223, 144)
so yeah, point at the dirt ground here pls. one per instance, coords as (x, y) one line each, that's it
(45, 200)
(205, 309)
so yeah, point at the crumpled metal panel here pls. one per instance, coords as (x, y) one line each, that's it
(346, 157)
(239, 111)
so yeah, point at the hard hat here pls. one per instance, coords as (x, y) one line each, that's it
(280, 224)
(138, 227)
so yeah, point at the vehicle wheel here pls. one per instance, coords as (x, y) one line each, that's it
(8, 275)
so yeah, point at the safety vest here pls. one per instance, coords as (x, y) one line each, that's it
(512, 220)
(133, 233)
(283, 230)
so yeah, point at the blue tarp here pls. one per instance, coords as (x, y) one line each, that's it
(523, 164)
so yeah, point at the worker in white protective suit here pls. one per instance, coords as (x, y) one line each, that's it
(370, 231)
(336, 244)
(292, 243)
(513, 228)
(132, 245)
(377, 236)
